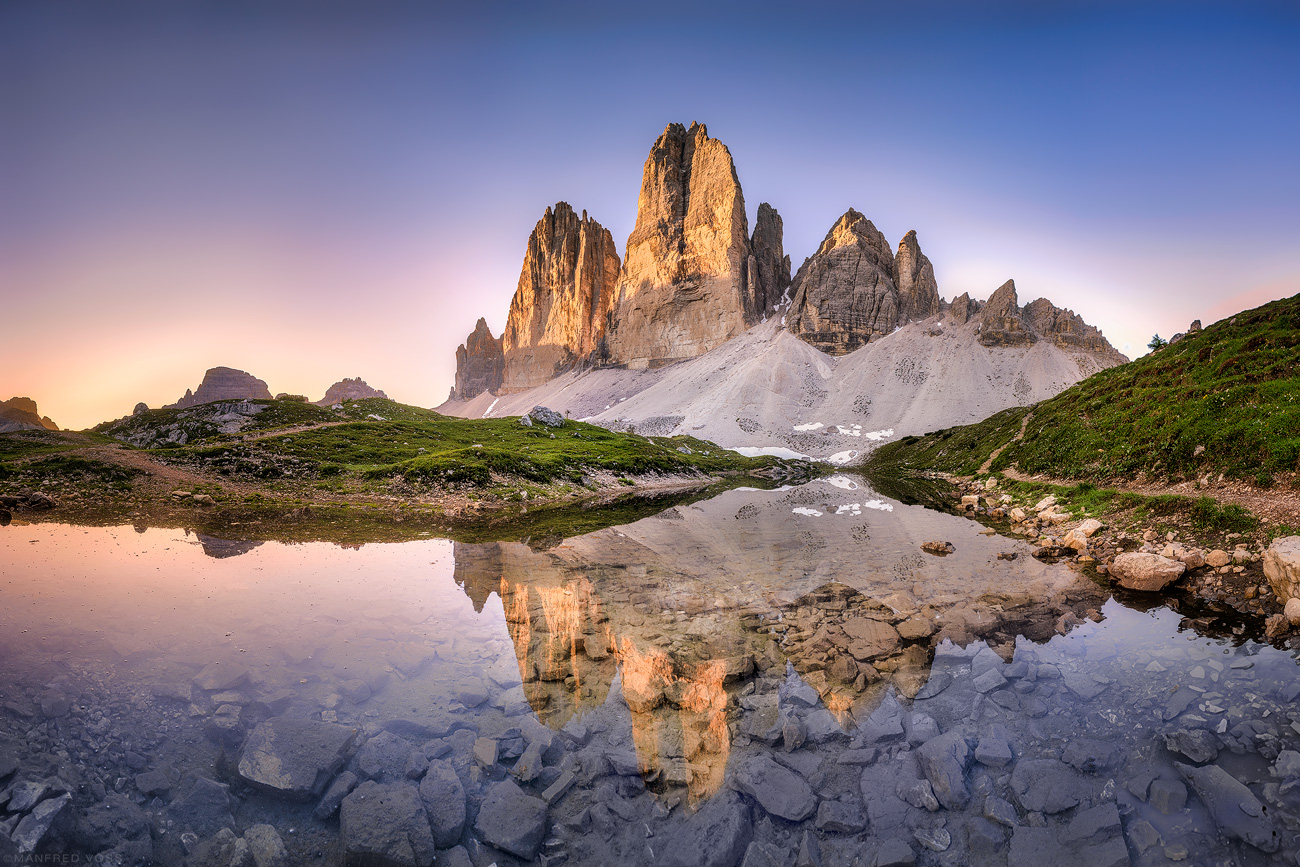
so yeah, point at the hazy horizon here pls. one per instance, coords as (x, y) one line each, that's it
(312, 192)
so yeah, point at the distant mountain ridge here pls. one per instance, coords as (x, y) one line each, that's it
(693, 280)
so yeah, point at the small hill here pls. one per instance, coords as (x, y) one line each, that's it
(378, 441)
(20, 413)
(1223, 400)
(348, 389)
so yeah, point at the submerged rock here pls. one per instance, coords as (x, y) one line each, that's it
(444, 801)
(205, 809)
(777, 789)
(386, 826)
(294, 758)
(512, 820)
(715, 836)
(1235, 809)
(944, 761)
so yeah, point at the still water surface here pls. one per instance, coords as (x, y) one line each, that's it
(769, 676)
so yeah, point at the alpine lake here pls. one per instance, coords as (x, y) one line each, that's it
(762, 677)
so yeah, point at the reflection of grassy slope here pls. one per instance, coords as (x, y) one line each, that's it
(1233, 389)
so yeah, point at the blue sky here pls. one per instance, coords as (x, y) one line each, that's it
(315, 190)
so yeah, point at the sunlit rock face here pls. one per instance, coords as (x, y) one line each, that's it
(685, 283)
(20, 413)
(349, 389)
(224, 383)
(566, 287)
(480, 364)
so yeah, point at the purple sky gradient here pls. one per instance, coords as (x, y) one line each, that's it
(309, 191)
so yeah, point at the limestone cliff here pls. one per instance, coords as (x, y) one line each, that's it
(348, 389)
(224, 383)
(566, 287)
(480, 364)
(768, 267)
(844, 294)
(20, 413)
(918, 292)
(684, 282)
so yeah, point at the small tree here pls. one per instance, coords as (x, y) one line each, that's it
(1157, 342)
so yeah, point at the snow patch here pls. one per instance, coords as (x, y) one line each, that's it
(849, 509)
(879, 435)
(487, 412)
(812, 425)
(839, 459)
(878, 505)
(804, 510)
(843, 483)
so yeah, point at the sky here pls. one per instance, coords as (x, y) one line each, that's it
(313, 190)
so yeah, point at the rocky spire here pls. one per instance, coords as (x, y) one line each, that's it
(479, 364)
(844, 294)
(918, 293)
(768, 268)
(566, 286)
(963, 308)
(1000, 322)
(683, 285)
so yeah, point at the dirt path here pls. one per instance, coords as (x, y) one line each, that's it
(1020, 434)
(1270, 506)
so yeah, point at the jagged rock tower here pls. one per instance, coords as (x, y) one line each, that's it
(854, 290)
(686, 285)
(479, 363)
(566, 287)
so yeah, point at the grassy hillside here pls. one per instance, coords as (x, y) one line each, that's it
(1225, 400)
(374, 442)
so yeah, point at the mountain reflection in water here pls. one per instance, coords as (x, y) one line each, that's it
(770, 669)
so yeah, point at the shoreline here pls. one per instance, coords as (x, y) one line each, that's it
(1220, 546)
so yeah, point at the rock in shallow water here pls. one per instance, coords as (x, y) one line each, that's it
(444, 801)
(944, 761)
(512, 820)
(294, 758)
(777, 789)
(715, 836)
(1149, 572)
(385, 826)
(1234, 808)
(1046, 785)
